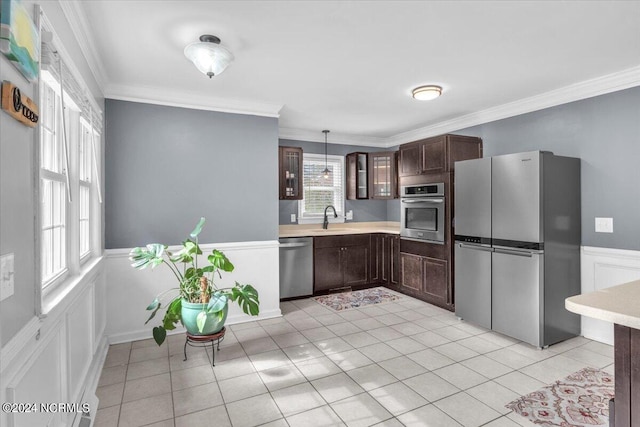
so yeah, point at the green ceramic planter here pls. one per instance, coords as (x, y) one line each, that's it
(190, 313)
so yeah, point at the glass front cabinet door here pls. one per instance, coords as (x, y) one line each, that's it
(290, 171)
(382, 175)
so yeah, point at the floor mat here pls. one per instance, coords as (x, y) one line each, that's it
(354, 299)
(581, 399)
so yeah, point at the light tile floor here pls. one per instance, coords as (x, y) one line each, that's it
(398, 363)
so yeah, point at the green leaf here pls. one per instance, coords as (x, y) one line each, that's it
(173, 314)
(217, 302)
(247, 298)
(201, 320)
(151, 255)
(198, 228)
(159, 334)
(220, 261)
(154, 304)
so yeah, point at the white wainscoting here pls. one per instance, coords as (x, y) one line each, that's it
(130, 291)
(603, 268)
(58, 358)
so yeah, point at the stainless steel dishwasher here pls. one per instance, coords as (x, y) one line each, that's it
(296, 267)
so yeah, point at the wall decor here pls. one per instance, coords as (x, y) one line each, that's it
(19, 38)
(19, 106)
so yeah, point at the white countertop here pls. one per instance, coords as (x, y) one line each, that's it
(617, 304)
(305, 230)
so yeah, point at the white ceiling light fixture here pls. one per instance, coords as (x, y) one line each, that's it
(427, 93)
(208, 55)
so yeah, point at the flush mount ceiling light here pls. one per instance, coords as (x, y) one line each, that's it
(427, 93)
(208, 55)
(326, 171)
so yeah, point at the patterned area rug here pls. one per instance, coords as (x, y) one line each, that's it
(347, 300)
(581, 399)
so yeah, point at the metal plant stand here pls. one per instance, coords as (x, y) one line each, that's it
(203, 340)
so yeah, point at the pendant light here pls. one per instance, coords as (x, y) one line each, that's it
(208, 55)
(326, 171)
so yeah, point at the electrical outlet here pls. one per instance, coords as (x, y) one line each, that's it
(604, 225)
(6, 276)
(293, 217)
(349, 214)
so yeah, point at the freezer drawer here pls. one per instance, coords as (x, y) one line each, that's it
(296, 267)
(473, 284)
(517, 295)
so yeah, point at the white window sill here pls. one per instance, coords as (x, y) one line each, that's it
(51, 299)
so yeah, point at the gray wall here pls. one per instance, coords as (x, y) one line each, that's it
(166, 167)
(363, 210)
(18, 169)
(604, 132)
(17, 211)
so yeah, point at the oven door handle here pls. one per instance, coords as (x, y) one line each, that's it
(422, 201)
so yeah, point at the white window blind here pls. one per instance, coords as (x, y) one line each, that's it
(85, 151)
(53, 188)
(318, 191)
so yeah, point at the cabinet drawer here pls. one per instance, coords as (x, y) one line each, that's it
(341, 241)
(423, 249)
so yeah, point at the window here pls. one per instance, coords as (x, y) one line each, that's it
(53, 217)
(84, 201)
(68, 181)
(318, 191)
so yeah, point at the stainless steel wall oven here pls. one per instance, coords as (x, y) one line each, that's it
(422, 212)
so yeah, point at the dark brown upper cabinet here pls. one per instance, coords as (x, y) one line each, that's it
(437, 155)
(383, 179)
(357, 180)
(290, 173)
(372, 175)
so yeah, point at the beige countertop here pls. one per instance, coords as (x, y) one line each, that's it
(617, 304)
(305, 230)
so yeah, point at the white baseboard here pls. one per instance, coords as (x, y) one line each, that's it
(601, 269)
(143, 334)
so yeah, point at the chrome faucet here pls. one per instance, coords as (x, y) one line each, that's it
(325, 223)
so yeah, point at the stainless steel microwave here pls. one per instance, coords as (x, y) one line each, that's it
(422, 212)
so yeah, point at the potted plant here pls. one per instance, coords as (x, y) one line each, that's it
(197, 303)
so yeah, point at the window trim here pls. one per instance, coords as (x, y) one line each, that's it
(318, 219)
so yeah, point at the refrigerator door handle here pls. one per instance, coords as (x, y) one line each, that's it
(517, 253)
(478, 248)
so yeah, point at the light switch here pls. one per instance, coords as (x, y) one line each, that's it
(6, 276)
(604, 225)
(293, 217)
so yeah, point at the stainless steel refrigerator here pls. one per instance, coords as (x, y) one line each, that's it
(517, 253)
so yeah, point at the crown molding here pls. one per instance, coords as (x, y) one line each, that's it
(624, 79)
(334, 138)
(78, 21)
(173, 98)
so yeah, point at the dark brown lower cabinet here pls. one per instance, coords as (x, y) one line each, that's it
(341, 261)
(385, 252)
(424, 273)
(435, 280)
(412, 272)
(627, 376)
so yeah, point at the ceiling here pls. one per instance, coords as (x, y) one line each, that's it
(349, 66)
